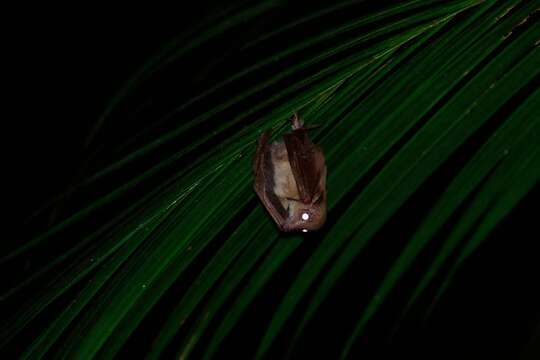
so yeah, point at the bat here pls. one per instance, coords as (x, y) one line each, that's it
(290, 179)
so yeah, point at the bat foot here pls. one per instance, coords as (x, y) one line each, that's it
(297, 123)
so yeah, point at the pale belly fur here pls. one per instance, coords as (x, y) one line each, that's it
(284, 184)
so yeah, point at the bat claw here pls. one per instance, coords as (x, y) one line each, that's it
(297, 123)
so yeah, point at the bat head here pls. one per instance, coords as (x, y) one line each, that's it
(306, 217)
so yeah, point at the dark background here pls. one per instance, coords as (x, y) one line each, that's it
(68, 64)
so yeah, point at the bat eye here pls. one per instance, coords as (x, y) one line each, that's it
(305, 216)
(304, 230)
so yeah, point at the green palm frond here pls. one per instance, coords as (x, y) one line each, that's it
(430, 114)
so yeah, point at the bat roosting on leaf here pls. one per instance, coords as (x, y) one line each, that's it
(290, 179)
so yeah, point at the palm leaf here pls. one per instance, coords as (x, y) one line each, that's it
(430, 125)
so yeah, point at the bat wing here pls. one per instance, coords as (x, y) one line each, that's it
(264, 181)
(307, 164)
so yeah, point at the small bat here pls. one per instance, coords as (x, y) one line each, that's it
(290, 179)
